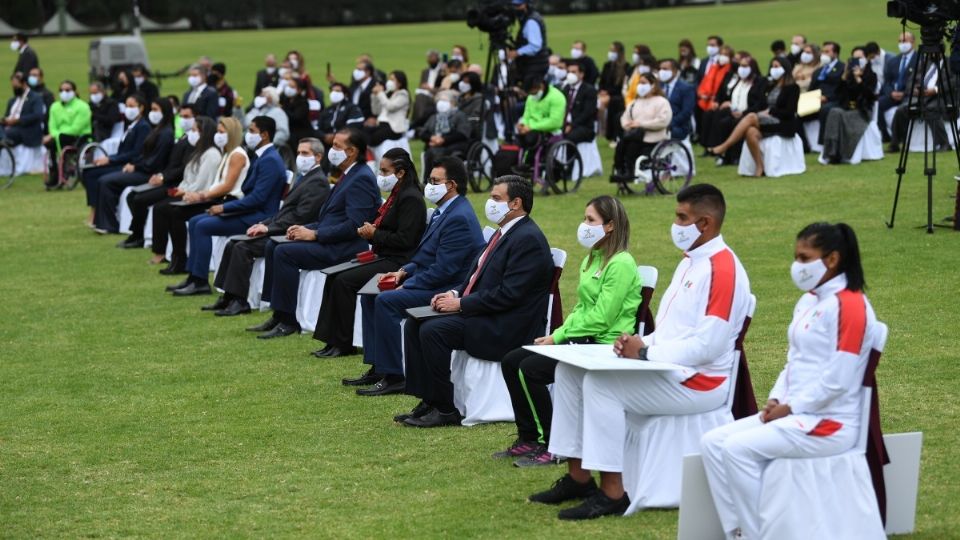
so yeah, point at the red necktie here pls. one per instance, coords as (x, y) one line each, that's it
(486, 255)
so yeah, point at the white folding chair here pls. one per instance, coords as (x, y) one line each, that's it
(590, 158)
(781, 156)
(309, 298)
(812, 130)
(648, 280)
(389, 144)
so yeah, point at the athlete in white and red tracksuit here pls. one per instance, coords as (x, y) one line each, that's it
(814, 408)
(698, 322)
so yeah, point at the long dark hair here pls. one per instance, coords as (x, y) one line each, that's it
(167, 123)
(207, 129)
(403, 162)
(620, 65)
(840, 238)
(401, 78)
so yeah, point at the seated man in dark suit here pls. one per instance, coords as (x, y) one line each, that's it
(267, 76)
(360, 90)
(105, 112)
(443, 258)
(826, 78)
(579, 53)
(301, 205)
(682, 98)
(500, 307)
(897, 75)
(331, 239)
(262, 190)
(204, 99)
(23, 119)
(579, 124)
(446, 132)
(340, 114)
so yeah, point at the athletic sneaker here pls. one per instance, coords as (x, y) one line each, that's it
(596, 506)
(538, 458)
(565, 489)
(520, 448)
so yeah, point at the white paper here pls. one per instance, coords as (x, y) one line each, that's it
(598, 358)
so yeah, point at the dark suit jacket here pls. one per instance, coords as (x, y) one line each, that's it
(155, 159)
(683, 98)
(447, 249)
(354, 200)
(262, 188)
(590, 71)
(756, 96)
(131, 146)
(508, 305)
(363, 100)
(207, 103)
(785, 109)
(400, 229)
(149, 90)
(26, 61)
(264, 80)
(302, 202)
(860, 95)
(179, 157)
(336, 117)
(104, 117)
(583, 112)
(891, 72)
(32, 116)
(828, 86)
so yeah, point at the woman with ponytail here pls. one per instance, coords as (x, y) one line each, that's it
(815, 406)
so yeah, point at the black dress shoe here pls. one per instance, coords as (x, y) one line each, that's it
(421, 409)
(221, 303)
(193, 289)
(384, 387)
(280, 330)
(369, 377)
(435, 418)
(235, 307)
(131, 243)
(331, 351)
(598, 505)
(175, 286)
(565, 489)
(173, 269)
(265, 326)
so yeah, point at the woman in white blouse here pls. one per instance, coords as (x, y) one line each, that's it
(391, 104)
(645, 123)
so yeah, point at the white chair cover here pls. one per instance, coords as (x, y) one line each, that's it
(781, 156)
(870, 147)
(358, 325)
(30, 159)
(916, 138)
(379, 151)
(256, 283)
(812, 130)
(219, 244)
(309, 298)
(124, 216)
(590, 156)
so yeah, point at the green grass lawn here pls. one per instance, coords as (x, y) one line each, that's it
(126, 412)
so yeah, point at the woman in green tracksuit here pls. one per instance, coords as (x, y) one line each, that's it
(607, 299)
(68, 120)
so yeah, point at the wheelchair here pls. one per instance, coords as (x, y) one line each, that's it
(668, 169)
(8, 166)
(70, 163)
(557, 165)
(479, 164)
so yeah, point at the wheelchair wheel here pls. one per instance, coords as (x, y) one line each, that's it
(69, 166)
(85, 158)
(479, 164)
(564, 168)
(8, 167)
(671, 166)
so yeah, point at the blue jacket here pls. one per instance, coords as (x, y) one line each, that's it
(262, 188)
(891, 72)
(131, 147)
(31, 119)
(446, 250)
(683, 98)
(207, 104)
(354, 200)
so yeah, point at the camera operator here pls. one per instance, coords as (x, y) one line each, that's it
(531, 56)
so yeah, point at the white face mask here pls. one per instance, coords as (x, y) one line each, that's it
(496, 211)
(643, 70)
(359, 74)
(862, 62)
(665, 75)
(96, 98)
(539, 95)
(67, 96)
(795, 48)
(456, 57)
(14, 46)
(305, 163)
(259, 102)
(138, 80)
(252, 140)
(776, 72)
(387, 183)
(294, 63)
(712, 50)
(502, 55)
(572, 79)
(612, 56)
(33, 81)
(155, 117)
(635, 58)
(443, 106)
(289, 91)
(464, 87)
(336, 157)
(905, 47)
(193, 137)
(576, 53)
(589, 235)
(194, 81)
(806, 276)
(390, 86)
(220, 139)
(723, 59)
(454, 77)
(825, 59)
(271, 70)
(336, 97)
(684, 235)
(186, 123)
(744, 71)
(433, 192)
(131, 113)
(283, 72)
(806, 58)
(643, 89)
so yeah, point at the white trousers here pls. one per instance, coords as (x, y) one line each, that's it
(735, 456)
(589, 412)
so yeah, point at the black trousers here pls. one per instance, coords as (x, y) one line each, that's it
(527, 375)
(433, 154)
(337, 310)
(427, 346)
(381, 132)
(53, 174)
(172, 220)
(580, 134)
(627, 152)
(233, 275)
(140, 204)
(615, 110)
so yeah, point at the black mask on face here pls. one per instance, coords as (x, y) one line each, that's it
(18, 90)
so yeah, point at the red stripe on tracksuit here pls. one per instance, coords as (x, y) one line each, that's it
(703, 383)
(852, 326)
(825, 428)
(723, 281)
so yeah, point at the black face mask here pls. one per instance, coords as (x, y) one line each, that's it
(18, 91)
(433, 65)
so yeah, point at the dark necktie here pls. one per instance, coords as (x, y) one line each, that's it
(486, 256)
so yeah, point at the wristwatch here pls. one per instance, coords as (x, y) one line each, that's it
(642, 354)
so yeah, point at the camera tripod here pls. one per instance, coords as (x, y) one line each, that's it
(930, 57)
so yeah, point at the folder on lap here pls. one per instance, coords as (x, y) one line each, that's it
(343, 267)
(146, 187)
(426, 312)
(280, 239)
(809, 103)
(371, 288)
(598, 357)
(240, 237)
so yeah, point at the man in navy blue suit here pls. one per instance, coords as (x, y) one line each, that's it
(897, 76)
(501, 306)
(23, 121)
(331, 240)
(682, 97)
(826, 78)
(262, 191)
(441, 262)
(204, 98)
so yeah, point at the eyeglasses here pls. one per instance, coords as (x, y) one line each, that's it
(438, 181)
